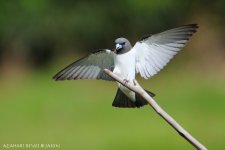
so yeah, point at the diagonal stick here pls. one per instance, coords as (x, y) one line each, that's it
(139, 90)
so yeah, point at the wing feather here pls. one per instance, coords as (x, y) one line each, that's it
(90, 67)
(155, 51)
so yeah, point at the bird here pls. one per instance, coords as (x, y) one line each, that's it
(147, 57)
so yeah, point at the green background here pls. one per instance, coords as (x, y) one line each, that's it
(40, 37)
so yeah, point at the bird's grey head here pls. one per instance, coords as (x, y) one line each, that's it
(122, 46)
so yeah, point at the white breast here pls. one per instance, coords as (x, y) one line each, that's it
(125, 68)
(125, 65)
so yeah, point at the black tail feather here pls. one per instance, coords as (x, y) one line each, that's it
(121, 100)
(150, 93)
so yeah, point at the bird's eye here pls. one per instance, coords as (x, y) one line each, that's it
(123, 43)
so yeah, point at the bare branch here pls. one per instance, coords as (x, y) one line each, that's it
(139, 90)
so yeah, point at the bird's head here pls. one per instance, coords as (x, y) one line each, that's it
(122, 46)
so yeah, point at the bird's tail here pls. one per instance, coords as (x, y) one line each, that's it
(122, 101)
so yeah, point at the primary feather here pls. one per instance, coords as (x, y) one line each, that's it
(90, 67)
(155, 51)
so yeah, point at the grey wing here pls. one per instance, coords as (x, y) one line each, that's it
(152, 53)
(90, 67)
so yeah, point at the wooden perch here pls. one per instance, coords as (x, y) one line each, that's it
(139, 90)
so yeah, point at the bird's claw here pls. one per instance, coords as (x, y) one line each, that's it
(134, 82)
(125, 81)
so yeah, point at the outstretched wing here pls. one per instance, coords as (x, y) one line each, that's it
(155, 51)
(90, 67)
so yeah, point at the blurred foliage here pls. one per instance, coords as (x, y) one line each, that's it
(39, 29)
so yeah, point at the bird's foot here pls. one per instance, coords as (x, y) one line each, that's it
(125, 81)
(134, 82)
(112, 68)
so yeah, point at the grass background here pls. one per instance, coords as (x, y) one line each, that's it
(79, 115)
